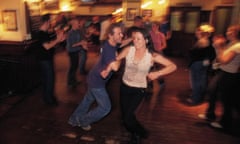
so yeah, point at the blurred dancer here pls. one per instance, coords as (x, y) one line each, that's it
(83, 116)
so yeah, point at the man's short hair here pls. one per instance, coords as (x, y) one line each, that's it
(137, 18)
(111, 28)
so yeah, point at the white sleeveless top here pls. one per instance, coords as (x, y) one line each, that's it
(234, 65)
(135, 73)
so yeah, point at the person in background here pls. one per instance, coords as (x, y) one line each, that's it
(137, 23)
(46, 56)
(165, 27)
(104, 26)
(139, 58)
(96, 23)
(159, 43)
(75, 42)
(166, 30)
(158, 38)
(84, 49)
(212, 93)
(61, 21)
(229, 60)
(201, 56)
(83, 116)
(92, 35)
(147, 22)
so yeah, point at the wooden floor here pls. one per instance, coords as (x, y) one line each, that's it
(24, 119)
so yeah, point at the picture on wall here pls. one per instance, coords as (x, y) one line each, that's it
(147, 12)
(9, 18)
(51, 5)
(131, 13)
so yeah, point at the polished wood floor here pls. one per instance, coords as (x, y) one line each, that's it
(24, 119)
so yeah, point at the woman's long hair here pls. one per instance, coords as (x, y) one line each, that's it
(147, 37)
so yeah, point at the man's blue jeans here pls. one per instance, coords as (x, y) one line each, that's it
(74, 61)
(198, 80)
(83, 115)
(48, 77)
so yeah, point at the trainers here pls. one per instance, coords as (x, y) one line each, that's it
(207, 117)
(216, 125)
(73, 124)
(202, 116)
(86, 128)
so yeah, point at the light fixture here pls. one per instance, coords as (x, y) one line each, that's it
(207, 28)
(117, 11)
(161, 2)
(65, 6)
(146, 4)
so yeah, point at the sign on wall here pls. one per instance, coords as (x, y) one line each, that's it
(131, 13)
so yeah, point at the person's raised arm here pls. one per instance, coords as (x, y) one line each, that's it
(225, 56)
(168, 68)
(60, 37)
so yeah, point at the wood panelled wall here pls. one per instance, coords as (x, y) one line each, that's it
(19, 70)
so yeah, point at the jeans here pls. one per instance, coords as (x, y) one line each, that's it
(229, 88)
(82, 116)
(198, 80)
(48, 77)
(212, 94)
(83, 59)
(74, 61)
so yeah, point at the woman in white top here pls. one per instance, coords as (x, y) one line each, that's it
(139, 58)
(229, 84)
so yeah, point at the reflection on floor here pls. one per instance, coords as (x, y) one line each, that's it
(24, 119)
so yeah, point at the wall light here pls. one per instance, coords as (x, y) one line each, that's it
(117, 11)
(146, 4)
(65, 6)
(161, 2)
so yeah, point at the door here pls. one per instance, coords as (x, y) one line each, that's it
(183, 22)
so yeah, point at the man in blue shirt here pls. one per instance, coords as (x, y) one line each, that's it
(75, 44)
(82, 116)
